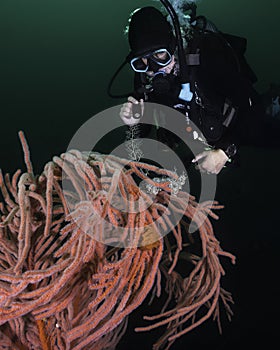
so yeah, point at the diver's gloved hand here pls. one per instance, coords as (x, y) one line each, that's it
(212, 162)
(132, 111)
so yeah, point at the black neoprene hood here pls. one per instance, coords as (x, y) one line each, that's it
(149, 30)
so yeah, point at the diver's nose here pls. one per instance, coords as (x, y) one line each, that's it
(145, 60)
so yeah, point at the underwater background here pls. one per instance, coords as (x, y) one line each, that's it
(56, 60)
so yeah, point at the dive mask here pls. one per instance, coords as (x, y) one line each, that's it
(160, 57)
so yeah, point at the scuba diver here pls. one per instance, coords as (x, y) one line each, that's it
(203, 75)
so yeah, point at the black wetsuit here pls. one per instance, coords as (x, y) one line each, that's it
(221, 77)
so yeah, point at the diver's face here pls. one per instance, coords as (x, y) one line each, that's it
(166, 69)
(161, 56)
(155, 61)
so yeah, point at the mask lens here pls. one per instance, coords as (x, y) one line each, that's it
(161, 57)
(138, 65)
